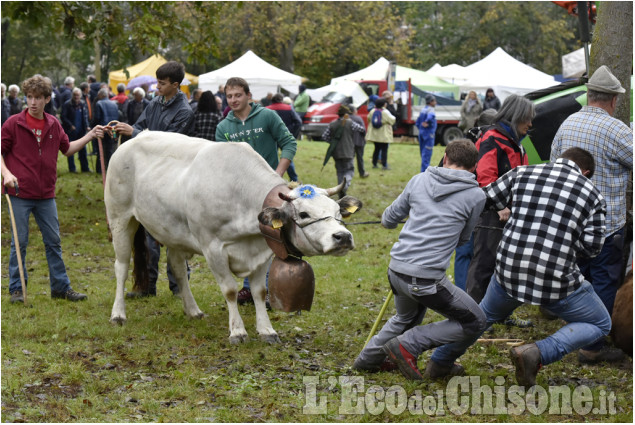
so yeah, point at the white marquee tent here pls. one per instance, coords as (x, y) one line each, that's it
(376, 71)
(452, 73)
(262, 77)
(421, 79)
(505, 75)
(344, 87)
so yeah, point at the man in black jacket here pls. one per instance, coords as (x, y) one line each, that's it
(171, 112)
(74, 119)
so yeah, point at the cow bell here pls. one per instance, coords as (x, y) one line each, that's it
(291, 284)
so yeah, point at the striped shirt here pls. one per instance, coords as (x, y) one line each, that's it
(610, 141)
(557, 215)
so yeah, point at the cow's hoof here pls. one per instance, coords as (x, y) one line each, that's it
(198, 315)
(270, 339)
(118, 320)
(237, 339)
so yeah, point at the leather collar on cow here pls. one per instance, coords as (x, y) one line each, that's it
(277, 239)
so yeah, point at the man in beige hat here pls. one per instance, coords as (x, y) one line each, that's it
(610, 141)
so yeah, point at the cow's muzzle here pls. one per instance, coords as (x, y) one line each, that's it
(343, 239)
(343, 242)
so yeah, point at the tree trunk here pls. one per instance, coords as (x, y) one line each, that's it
(613, 46)
(285, 55)
(97, 62)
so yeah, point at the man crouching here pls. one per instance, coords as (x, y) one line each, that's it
(557, 216)
(443, 205)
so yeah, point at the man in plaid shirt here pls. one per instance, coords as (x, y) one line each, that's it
(610, 141)
(557, 215)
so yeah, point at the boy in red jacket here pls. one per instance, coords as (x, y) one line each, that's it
(31, 141)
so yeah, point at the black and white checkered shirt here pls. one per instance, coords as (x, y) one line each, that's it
(205, 124)
(557, 215)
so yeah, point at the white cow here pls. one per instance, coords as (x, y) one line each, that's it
(197, 197)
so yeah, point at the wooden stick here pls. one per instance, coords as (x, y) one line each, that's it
(17, 248)
(495, 340)
(102, 162)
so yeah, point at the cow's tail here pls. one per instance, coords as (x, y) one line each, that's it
(140, 268)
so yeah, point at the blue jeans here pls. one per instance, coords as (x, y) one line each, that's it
(586, 317)
(83, 160)
(462, 258)
(426, 145)
(603, 272)
(246, 282)
(293, 176)
(154, 254)
(45, 213)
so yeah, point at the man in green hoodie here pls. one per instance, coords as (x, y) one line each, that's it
(263, 129)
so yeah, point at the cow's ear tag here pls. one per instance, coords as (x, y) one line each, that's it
(351, 209)
(276, 223)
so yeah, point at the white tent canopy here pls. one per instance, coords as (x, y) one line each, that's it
(505, 75)
(376, 71)
(380, 69)
(344, 87)
(262, 77)
(452, 73)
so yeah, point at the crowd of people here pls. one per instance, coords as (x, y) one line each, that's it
(545, 235)
(549, 235)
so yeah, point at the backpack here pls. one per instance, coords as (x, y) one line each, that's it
(376, 119)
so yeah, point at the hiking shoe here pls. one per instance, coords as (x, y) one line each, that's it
(359, 364)
(69, 295)
(406, 362)
(434, 370)
(606, 354)
(526, 359)
(244, 297)
(519, 323)
(17, 297)
(365, 175)
(386, 168)
(386, 366)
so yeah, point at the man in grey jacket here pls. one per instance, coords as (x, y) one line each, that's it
(443, 205)
(171, 112)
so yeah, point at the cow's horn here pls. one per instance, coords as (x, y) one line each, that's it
(285, 197)
(337, 189)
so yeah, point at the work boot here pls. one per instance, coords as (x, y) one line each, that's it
(434, 370)
(17, 297)
(526, 359)
(406, 362)
(606, 354)
(69, 295)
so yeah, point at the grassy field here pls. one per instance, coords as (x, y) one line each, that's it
(64, 362)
